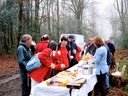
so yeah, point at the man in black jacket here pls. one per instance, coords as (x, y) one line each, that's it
(72, 48)
(111, 46)
(24, 54)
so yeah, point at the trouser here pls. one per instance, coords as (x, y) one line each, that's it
(107, 79)
(73, 62)
(33, 83)
(101, 84)
(26, 85)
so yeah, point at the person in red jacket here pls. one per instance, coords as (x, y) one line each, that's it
(43, 43)
(63, 51)
(62, 55)
(46, 58)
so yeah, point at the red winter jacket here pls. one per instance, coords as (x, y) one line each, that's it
(44, 72)
(41, 46)
(78, 54)
(64, 56)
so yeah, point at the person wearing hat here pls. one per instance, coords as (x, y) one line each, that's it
(74, 51)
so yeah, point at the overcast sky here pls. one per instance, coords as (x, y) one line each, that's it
(103, 24)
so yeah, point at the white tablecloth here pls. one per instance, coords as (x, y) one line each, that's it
(43, 90)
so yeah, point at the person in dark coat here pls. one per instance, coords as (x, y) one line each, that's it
(24, 54)
(91, 49)
(90, 40)
(112, 49)
(74, 51)
(111, 46)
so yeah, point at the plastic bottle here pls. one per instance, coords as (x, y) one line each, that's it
(79, 69)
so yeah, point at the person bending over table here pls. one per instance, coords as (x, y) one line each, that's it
(46, 58)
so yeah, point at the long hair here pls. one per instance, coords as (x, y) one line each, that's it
(98, 41)
(52, 45)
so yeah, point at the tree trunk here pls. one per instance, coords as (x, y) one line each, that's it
(48, 14)
(37, 16)
(58, 20)
(20, 16)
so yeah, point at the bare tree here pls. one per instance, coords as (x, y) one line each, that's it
(58, 19)
(122, 8)
(37, 16)
(20, 18)
(114, 21)
(77, 7)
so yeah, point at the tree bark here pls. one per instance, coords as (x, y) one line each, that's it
(37, 16)
(20, 16)
(58, 20)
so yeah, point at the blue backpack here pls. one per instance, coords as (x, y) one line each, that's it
(33, 63)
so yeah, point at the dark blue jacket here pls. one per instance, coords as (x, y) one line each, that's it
(91, 49)
(70, 46)
(24, 55)
(111, 47)
(109, 59)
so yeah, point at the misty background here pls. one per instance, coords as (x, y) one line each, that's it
(106, 18)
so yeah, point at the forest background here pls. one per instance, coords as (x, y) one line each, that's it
(54, 17)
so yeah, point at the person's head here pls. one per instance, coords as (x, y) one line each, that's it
(98, 41)
(45, 37)
(71, 38)
(27, 39)
(90, 40)
(53, 46)
(64, 41)
(107, 41)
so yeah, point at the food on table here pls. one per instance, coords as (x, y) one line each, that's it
(87, 57)
(61, 79)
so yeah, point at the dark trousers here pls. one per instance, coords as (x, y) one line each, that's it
(101, 85)
(25, 85)
(72, 62)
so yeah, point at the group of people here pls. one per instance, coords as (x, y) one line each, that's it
(54, 57)
(103, 52)
(57, 57)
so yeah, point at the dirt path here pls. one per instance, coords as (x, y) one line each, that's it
(6, 80)
(11, 88)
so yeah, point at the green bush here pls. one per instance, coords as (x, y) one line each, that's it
(126, 88)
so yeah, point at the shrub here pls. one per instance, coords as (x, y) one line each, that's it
(126, 88)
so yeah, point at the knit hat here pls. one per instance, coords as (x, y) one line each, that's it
(71, 37)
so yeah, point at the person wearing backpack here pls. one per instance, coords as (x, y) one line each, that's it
(24, 54)
(44, 72)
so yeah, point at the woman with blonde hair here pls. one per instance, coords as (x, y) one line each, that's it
(100, 59)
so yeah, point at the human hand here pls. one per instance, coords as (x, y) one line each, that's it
(33, 43)
(53, 53)
(52, 65)
(74, 51)
(59, 53)
(71, 57)
(62, 66)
